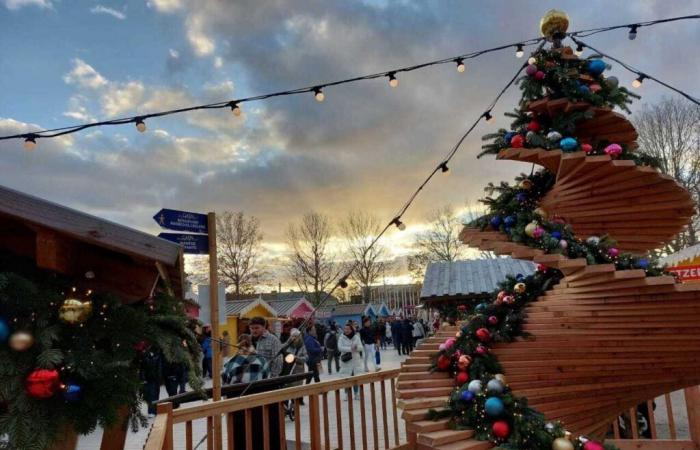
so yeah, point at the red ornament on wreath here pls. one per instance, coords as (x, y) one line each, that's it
(493, 320)
(588, 148)
(533, 126)
(463, 362)
(593, 445)
(42, 383)
(517, 141)
(481, 350)
(443, 362)
(483, 335)
(461, 378)
(501, 429)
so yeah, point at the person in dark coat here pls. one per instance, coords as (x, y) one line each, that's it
(151, 374)
(396, 334)
(406, 337)
(313, 348)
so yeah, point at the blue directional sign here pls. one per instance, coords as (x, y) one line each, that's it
(172, 219)
(197, 244)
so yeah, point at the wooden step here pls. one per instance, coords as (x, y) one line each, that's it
(421, 384)
(436, 438)
(407, 376)
(426, 392)
(415, 367)
(422, 403)
(471, 444)
(427, 426)
(414, 415)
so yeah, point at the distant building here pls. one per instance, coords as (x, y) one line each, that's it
(398, 298)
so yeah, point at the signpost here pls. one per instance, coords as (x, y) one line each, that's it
(199, 238)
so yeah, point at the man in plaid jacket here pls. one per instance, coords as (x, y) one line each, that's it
(246, 366)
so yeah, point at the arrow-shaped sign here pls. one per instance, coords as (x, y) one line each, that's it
(197, 244)
(172, 219)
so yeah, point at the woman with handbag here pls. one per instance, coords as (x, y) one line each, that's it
(349, 346)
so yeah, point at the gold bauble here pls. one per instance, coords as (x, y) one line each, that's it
(74, 311)
(500, 377)
(562, 444)
(541, 212)
(21, 341)
(530, 229)
(520, 288)
(525, 185)
(554, 23)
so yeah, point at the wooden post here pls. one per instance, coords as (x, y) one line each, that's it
(114, 437)
(692, 402)
(214, 308)
(167, 410)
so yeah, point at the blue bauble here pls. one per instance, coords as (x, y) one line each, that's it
(568, 144)
(72, 393)
(481, 307)
(643, 263)
(493, 406)
(510, 221)
(519, 277)
(521, 197)
(508, 136)
(506, 229)
(583, 89)
(4, 330)
(555, 235)
(495, 222)
(467, 396)
(596, 66)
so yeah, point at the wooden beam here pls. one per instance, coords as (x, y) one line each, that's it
(54, 252)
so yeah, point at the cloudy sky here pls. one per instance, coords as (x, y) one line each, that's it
(366, 147)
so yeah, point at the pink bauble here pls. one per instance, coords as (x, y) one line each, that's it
(493, 320)
(613, 150)
(508, 299)
(450, 342)
(538, 232)
(595, 87)
(463, 362)
(531, 70)
(614, 252)
(587, 148)
(498, 301)
(593, 445)
(481, 350)
(563, 244)
(533, 126)
(442, 347)
(539, 75)
(501, 295)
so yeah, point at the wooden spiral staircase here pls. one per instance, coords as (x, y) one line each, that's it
(602, 340)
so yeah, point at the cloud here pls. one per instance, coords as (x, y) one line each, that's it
(166, 6)
(99, 9)
(202, 44)
(218, 62)
(17, 4)
(84, 75)
(77, 109)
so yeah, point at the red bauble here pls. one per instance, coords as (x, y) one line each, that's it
(517, 141)
(541, 268)
(481, 350)
(587, 148)
(483, 334)
(42, 383)
(501, 429)
(493, 320)
(462, 308)
(539, 75)
(461, 378)
(443, 362)
(533, 126)
(593, 445)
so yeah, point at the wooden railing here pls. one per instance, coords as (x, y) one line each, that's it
(671, 439)
(328, 421)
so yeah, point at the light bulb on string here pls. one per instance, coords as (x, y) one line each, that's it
(393, 81)
(289, 358)
(489, 118)
(461, 67)
(579, 50)
(532, 60)
(444, 169)
(633, 32)
(236, 109)
(318, 94)
(343, 283)
(638, 81)
(519, 51)
(30, 143)
(140, 125)
(400, 225)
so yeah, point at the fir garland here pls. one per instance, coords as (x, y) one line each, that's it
(99, 357)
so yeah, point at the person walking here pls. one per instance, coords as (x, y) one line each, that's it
(266, 344)
(331, 345)
(313, 348)
(387, 333)
(349, 345)
(396, 333)
(207, 353)
(174, 376)
(151, 375)
(406, 337)
(369, 344)
(418, 332)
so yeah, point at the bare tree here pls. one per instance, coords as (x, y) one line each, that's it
(312, 264)
(239, 239)
(359, 230)
(670, 131)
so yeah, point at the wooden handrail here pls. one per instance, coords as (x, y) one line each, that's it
(281, 395)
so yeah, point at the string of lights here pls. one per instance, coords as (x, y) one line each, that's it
(641, 76)
(30, 139)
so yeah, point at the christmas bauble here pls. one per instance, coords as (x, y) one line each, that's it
(483, 334)
(538, 233)
(481, 350)
(593, 240)
(530, 228)
(500, 377)
(442, 347)
(4, 330)
(510, 221)
(612, 81)
(593, 445)
(475, 387)
(21, 341)
(443, 362)
(595, 87)
(450, 342)
(554, 136)
(531, 70)
(555, 234)
(613, 252)
(508, 136)
(643, 263)
(493, 406)
(533, 126)
(520, 288)
(540, 212)
(568, 144)
(549, 427)
(481, 307)
(587, 148)
(461, 378)
(521, 197)
(42, 383)
(495, 386)
(74, 311)
(595, 66)
(614, 150)
(463, 362)
(539, 75)
(508, 299)
(563, 244)
(541, 268)
(461, 308)
(493, 320)
(583, 89)
(467, 396)
(517, 141)
(495, 222)
(501, 429)
(525, 184)
(72, 392)
(562, 444)
(501, 294)
(554, 24)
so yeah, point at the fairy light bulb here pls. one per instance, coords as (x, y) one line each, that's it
(236, 109)
(319, 95)
(638, 81)
(140, 125)
(461, 67)
(489, 118)
(393, 81)
(30, 143)
(400, 225)
(579, 50)
(633, 32)
(532, 60)
(519, 51)
(289, 358)
(444, 169)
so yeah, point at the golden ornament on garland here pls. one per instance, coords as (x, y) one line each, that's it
(562, 444)
(554, 24)
(21, 341)
(500, 377)
(74, 311)
(520, 288)
(541, 212)
(525, 184)
(530, 228)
